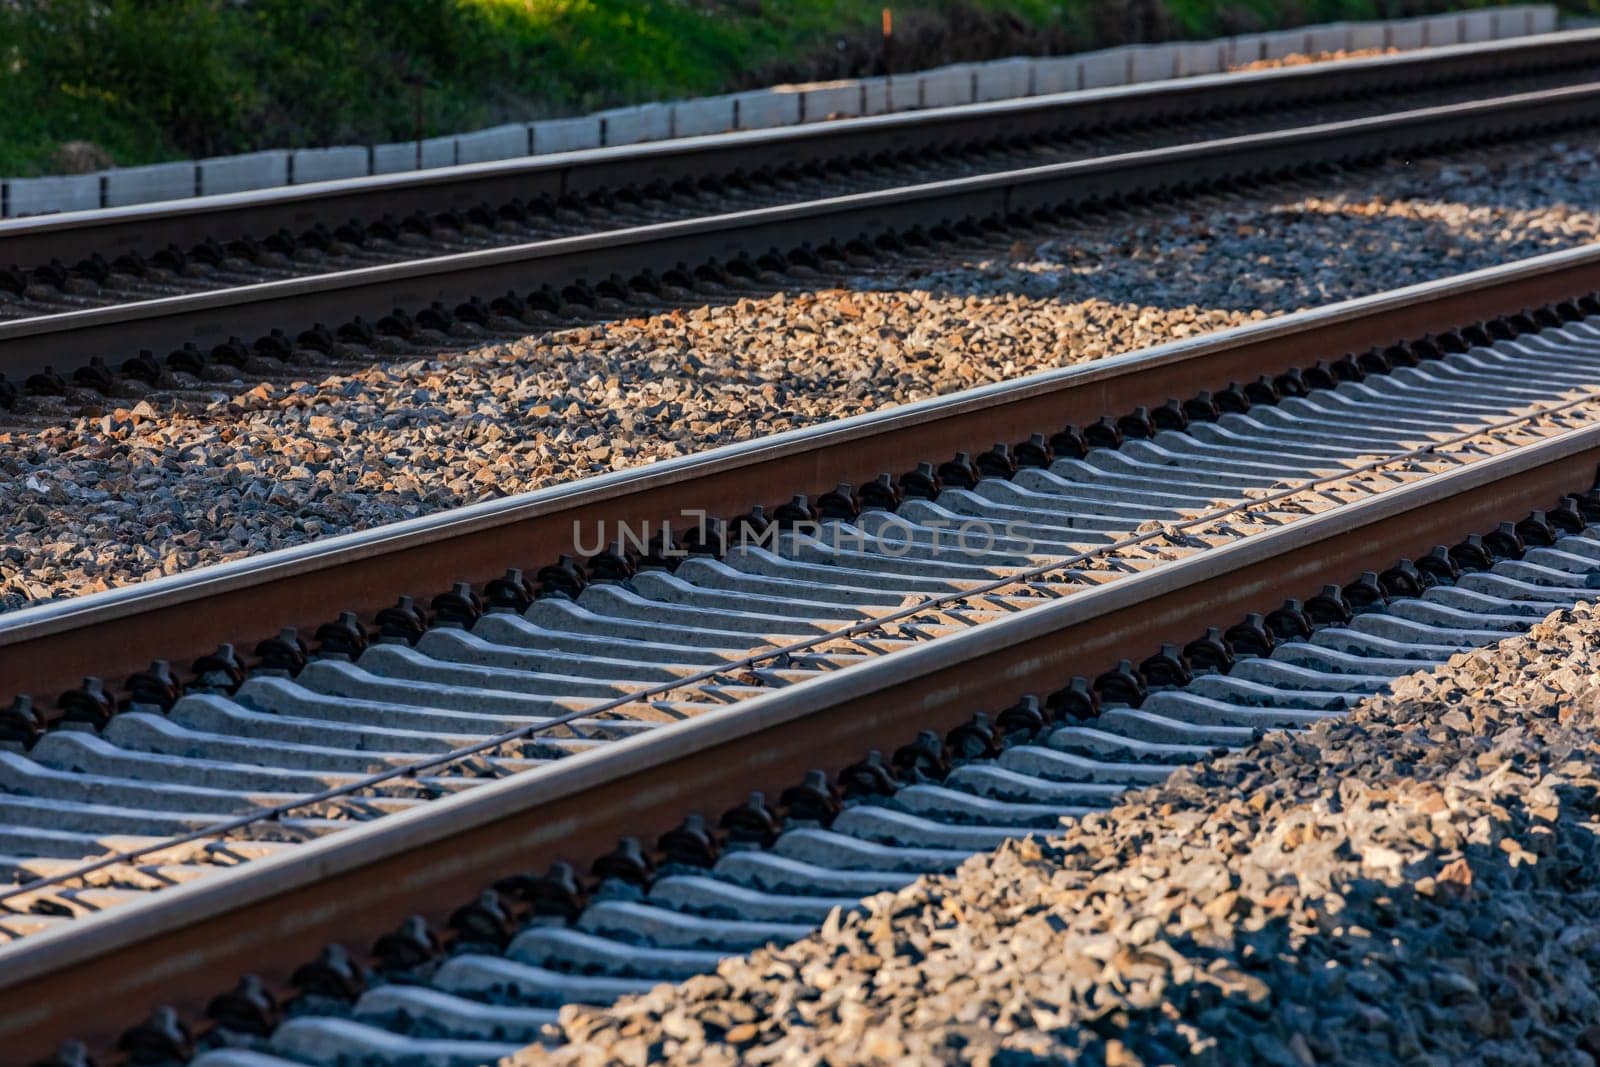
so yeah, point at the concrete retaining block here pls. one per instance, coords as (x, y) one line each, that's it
(694, 118)
(948, 86)
(1334, 37)
(1283, 43)
(633, 125)
(402, 155)
(1200, 57)
(437, 152)
(1152, 62)
(764, 109)
(1246, 48)
(236, 174)
(1511, 22)
(1367, 35)
(566, 135)
(395, 158)
(1441, 30)
(330, 164)
(1542, 19)
(819, 100)
(1003, 79)
(904, 91)
(37, 196)
(1406, 34)
(1109, 66)
(496, 142)
(874, 96)
(145, 185)
(1477, 26)
(1057, 74)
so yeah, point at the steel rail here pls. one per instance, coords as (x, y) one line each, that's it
(209, 318)
(272, 914)
(147, 227)
(47, 649)
(765, 655)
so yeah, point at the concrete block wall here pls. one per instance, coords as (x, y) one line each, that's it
(875, 96)
(1004, 79)
(903, 92)
(630, 125)
(1057, 74)
(1247, 48)
(949, 86)
(765, 109)
(239, 174)
(329, 164)
(35, 196)
(1202, 57)
(566, 135)
(1440, 30)
(1510, 22)
(831, 99)
(1283, 43)
(1477, 26)
(497, 142)
(1334, 37)
(1152, 63)
(1107, 67)
(1406, 34)
(1365, 36)
(761, 109)
(140, 185)
(402, 155)
(694, 118)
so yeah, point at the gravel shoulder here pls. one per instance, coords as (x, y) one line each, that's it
(1414, 883)
(146, 491)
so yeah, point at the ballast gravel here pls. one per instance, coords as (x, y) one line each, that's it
(1418, 882)
(153, 488)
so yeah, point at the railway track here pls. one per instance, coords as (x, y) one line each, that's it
(639, 685)
(794, 153)
(827, 586)
(758, 877)
(938, 154)
(935, 181)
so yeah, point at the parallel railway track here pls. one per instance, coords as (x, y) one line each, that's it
(1164, 494)
(789, 153)
(930, 178)
(267, 255)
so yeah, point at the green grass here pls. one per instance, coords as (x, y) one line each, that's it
(148, 80)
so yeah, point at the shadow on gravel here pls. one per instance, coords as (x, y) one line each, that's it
(1417, 883)
(1492, 955)
(1273, 258)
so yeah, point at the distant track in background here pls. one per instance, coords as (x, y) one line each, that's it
(494, 248)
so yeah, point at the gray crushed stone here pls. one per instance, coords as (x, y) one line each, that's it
(1418, 883)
